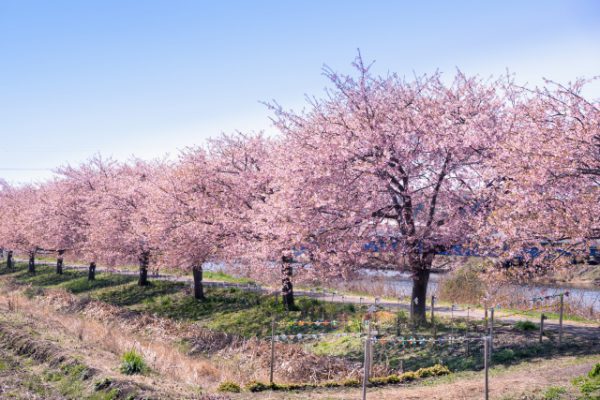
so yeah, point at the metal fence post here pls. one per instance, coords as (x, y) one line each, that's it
(486, 366)
(491, 338)
(560, 320)
(366, 365)
(272, 350)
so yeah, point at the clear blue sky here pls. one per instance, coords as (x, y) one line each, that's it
(149, 77)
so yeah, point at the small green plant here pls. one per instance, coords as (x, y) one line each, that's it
(504, 356)
(589, 385)
(555, 393)
(595, 371)
(228, 386)
(133, 363)
(525, 326)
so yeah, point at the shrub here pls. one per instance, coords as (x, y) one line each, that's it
(331, 384)
(408, 376)
(392, 379)
(525, 326)
(380, 381)
(256, 386)
(436, 370)
(504, 356)
(385, 380)
(463, 286)
(132, 363)
(227, 386)
(296, 386)
(351, 383)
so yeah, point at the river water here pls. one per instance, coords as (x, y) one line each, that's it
(401, 283)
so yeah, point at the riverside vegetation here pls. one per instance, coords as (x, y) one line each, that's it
(248, 315)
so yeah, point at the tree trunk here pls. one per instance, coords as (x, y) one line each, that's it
(92, 272)
(421, 269)
(419, 295)
(9, 260)
(198, 288)
(59, 262)
(287, 289)
(31, 262)
(144, 261)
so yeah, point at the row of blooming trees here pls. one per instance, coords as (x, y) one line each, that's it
(423, 164)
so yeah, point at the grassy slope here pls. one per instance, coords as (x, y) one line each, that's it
(250, 314)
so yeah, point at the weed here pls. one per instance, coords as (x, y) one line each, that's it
(555, 393)
(589, 385)
(133, 363)
(525, 326)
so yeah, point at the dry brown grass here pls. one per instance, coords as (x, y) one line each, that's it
(161, 355)
(211, 357)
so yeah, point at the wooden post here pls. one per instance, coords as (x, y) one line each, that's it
(560, 319)
(486, 366)
(432, 310)
(272, 351)
(542, 318)
(452, 319)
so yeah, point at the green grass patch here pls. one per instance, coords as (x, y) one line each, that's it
(550, 315)
(345, 346)
(131, 293)
(73, 281)
(525, 326)
(223, 277)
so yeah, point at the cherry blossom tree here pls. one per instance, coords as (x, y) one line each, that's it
(409, 161)
(25, 220)
(80, 207)
(549, 197)
(123, 229)
(187, 216)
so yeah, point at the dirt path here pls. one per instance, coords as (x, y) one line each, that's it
(525, 381)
